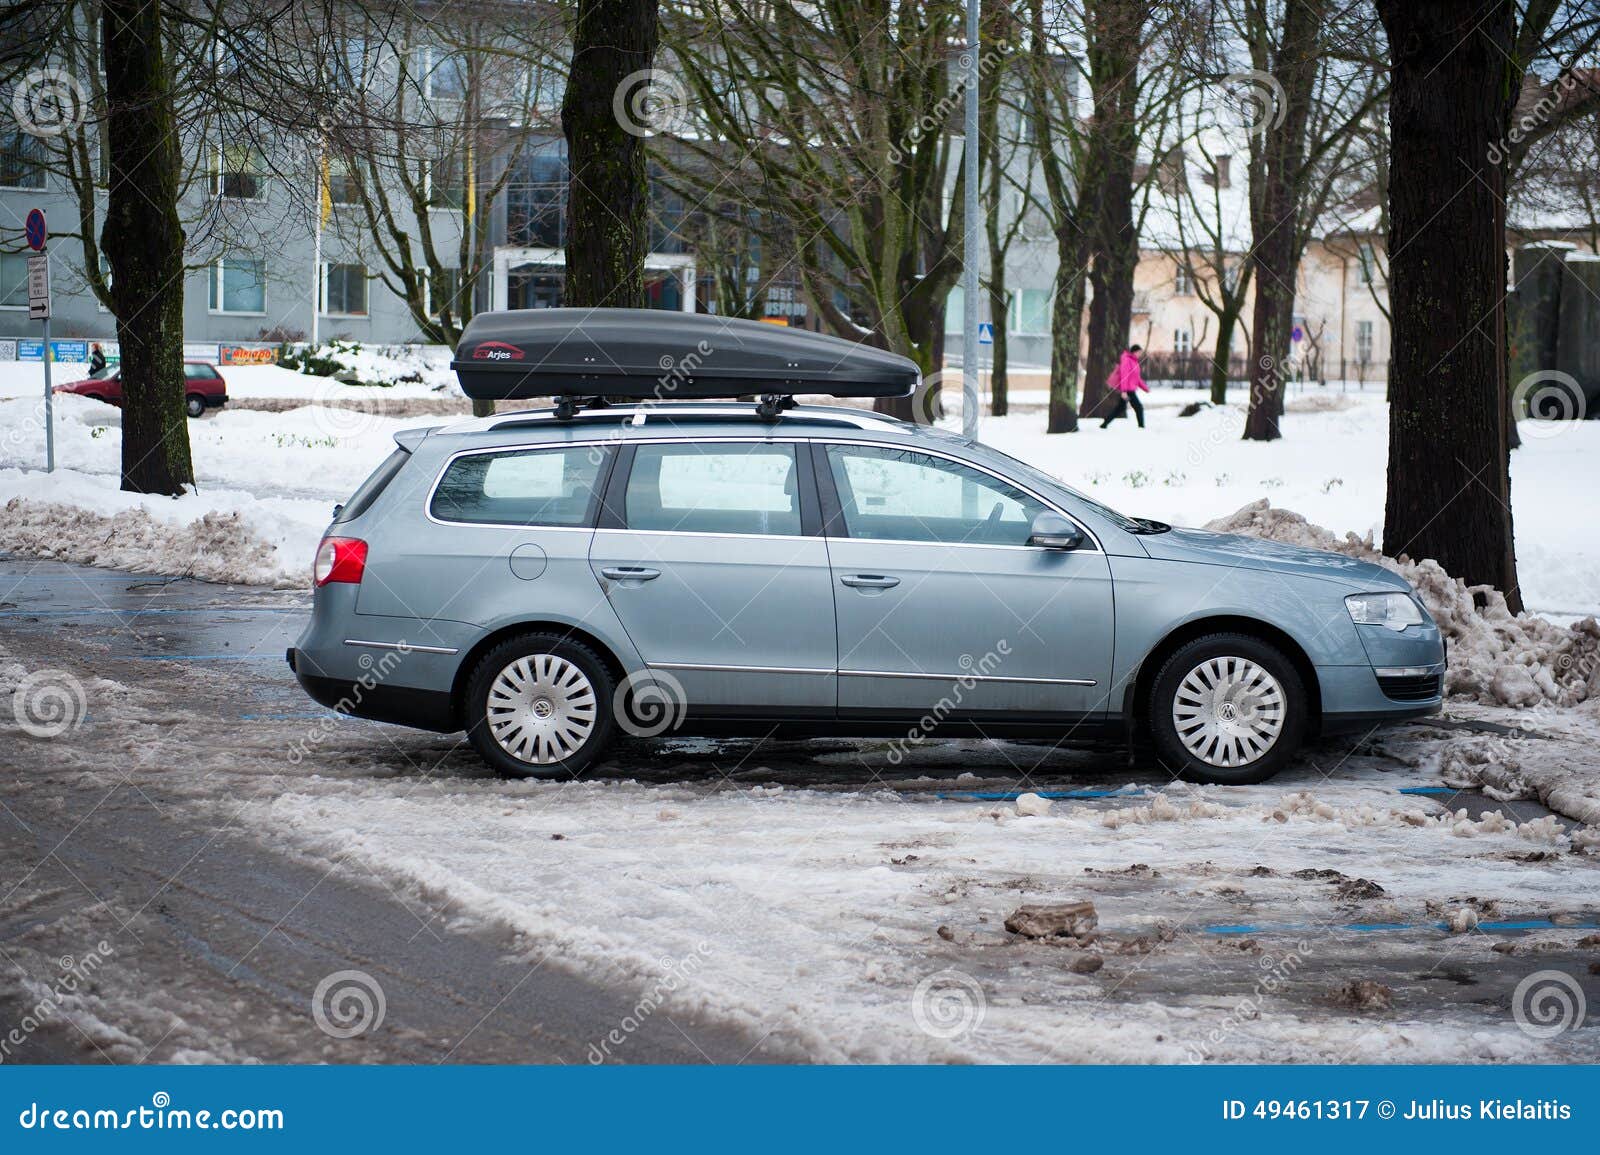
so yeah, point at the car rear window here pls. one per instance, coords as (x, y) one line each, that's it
(199, 372)
(554, 486)
(362, 499)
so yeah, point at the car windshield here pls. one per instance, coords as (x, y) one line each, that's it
(1022, 471)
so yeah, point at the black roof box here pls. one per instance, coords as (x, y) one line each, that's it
(652, 353)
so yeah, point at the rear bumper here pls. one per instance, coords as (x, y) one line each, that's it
(370, 697)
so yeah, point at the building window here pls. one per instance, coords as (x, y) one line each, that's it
(239, 173)
(444, 292)
(344, 290)
(1035, 311)
(1364, 342)
(238, 286)
(1182, 341)
(13, 281)
(1368, 264)
(445, 74)
(21, 161)
(1183, 281)
(446, 185)
(342, 184)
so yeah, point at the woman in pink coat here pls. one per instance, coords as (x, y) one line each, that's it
(1127, 381)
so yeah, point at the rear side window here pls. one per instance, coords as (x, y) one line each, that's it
(747, 489)
(199, 372)
(555, 486)
(362, 499)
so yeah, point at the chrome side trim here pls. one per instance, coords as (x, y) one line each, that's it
(738, 669)
(967, 676)
(406, 646)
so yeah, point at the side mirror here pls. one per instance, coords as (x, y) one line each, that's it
(1052, 531)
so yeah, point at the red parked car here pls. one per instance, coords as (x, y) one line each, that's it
(203, 388)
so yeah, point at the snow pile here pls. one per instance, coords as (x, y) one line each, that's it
(217, 547)
(1496, 656)
(383, 366)
(1560, 774)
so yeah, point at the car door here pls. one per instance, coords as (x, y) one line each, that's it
(711, 555)
(942, 605)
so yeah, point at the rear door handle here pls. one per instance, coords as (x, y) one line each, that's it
(629, 573)
(870, 581)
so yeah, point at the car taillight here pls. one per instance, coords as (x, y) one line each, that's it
(340, 559)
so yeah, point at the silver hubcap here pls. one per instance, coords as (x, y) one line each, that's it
(541, 709)
(1228, 711)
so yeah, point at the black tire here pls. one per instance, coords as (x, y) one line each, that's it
(1233, 653)
(194, 405)
(601, 685)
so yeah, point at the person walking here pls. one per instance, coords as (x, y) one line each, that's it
(1127, 381)
(97, 360)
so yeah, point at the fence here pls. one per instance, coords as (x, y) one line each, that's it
(1193, 371)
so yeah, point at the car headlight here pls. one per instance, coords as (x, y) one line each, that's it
(1396, 611)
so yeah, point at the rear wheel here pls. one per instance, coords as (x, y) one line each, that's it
(1227, 708)
(540, 706)
(195, 405)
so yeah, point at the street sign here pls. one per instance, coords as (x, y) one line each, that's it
(986, 333)
(38, 287)
(34, 230)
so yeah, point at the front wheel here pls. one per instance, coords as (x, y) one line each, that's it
(1229, 709)
(195, 405)
(540, 706)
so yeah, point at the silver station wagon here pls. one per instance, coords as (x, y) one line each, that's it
(542, 579)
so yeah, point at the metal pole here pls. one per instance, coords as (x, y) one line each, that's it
(49, 402)
(969, 272)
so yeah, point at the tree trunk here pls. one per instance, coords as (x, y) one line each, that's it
(1066, 324)
(999, 316)
(1449, 495)
(1226, 321)
(1116, 28)
(608, 195)
(1274, 215)
(143, 241)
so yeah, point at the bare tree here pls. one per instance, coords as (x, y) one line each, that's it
(831, 123)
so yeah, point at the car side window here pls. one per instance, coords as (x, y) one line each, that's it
(199, 372)
(714, 488)
(554, 486)
(903, 495)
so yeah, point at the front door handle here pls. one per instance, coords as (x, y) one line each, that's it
(870, 581)
(629, 573)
